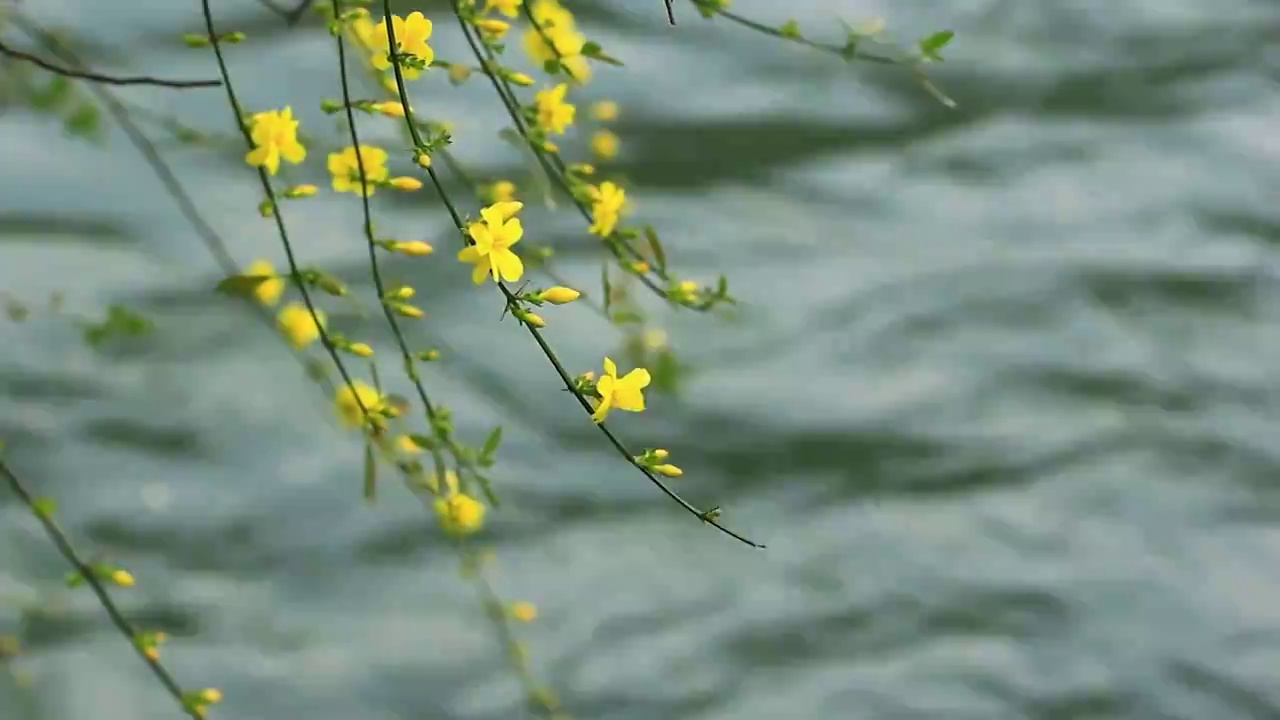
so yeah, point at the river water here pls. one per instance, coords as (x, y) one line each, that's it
(1001, 396)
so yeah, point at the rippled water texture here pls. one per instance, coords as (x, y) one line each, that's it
(1002, 399)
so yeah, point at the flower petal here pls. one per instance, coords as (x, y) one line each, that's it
(610, 370)
(508, 265)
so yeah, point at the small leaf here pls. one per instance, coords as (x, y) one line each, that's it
(84, 120)
(551, 67)
(370, 474)
(241, 285)
(608, 289)
(930, 45)
(659, 255)
(790, 29)
(491, 443)
(73, 578)
(44, 507)
(422, 441)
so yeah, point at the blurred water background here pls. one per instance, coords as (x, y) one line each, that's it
(1002, 397)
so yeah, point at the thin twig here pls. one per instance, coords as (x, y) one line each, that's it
(99, 77)
(512, 301)
(73, 558)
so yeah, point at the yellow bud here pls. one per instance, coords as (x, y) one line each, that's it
(604, 144)
(361, 349)
(122, 578)
(423, 160)
(405, 182)
(660, 453)
(459, 73)
(417, 248)
(298, 191)
(524, 611)
(640, 266)
(390, 108)
(493, 26)
(583, 169)
(211, 695)
(152, 653)
(408, 310)
(559, 295)
(534, 319)
(520, 79)
(503, 191)
(668, 470)
(605, 110)
(404, 292)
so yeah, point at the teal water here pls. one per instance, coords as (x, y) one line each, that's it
(1001, 399)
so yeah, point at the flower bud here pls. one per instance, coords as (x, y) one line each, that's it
(668, 469)
(559, 295)
(416, 248)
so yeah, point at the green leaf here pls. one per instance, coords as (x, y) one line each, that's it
(370, 474)
(608, 289)
(790, 29)
(551, 67)
(590, 48)
(930, 45)
(83, 120)
(623, 317)
(44, 506)
(486, 487)
(73, 578)
(659, 255)
(241, 285)
(491, 443)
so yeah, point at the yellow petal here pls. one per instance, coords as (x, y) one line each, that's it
(610, 369)
(508, 265)
(638, 378)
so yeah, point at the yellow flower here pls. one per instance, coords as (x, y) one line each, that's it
(275, 136)
(390, 108)
(502, 191)
(604, 144)
(493, 26)
(458, 513)
(347, 402)
(493, 238)
(267, 292)
(345, 169)
(298, 326)
(606, 205)
(686, 291)
(554, 114)
(411, 33)
(559, 295)
(623, 392)
(405, 182)
(524, 611)
(363, 28)
(506, 7)
(605, 110)
(122, 578)
(565, 44)
(416, 248)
